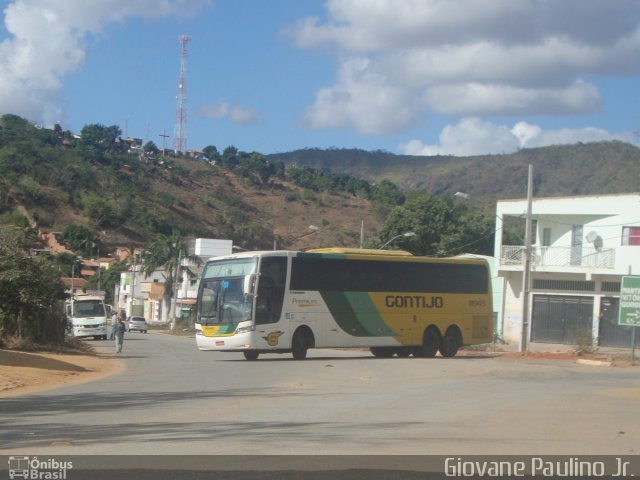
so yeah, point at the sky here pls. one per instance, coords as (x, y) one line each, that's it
(417, 77)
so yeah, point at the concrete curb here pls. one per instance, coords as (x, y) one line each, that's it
(593, 363)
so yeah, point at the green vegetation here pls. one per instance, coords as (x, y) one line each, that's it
(165, 253)
(99, 195)
(442, 227)
(580, 169)
(106, 280)
(31, 294)
(81, 239)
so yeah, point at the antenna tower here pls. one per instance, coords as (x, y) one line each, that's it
(180, 126)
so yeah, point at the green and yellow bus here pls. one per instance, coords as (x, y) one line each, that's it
(391, 302)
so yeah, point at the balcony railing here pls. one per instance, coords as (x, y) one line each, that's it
(588, 257)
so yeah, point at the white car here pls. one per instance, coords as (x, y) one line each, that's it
(138, 324)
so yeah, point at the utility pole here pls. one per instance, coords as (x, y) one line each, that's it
(164, 140)
(526, 272)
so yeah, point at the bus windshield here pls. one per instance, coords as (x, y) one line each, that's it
(224, 296)
(88, 308)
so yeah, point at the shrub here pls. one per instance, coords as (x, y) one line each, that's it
(292, 197)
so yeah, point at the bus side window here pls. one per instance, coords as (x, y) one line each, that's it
(273, 274)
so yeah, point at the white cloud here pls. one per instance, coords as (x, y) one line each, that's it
(234, 113)
(472, 136)
(467, 58)
(525, 132)
(46, 43)
(364, 99)
(376, 25)
(488, 99)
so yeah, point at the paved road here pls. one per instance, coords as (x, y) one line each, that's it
(172, 399)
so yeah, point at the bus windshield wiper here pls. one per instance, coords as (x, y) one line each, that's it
(220, 302)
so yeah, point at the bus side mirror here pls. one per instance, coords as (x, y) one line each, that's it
(249, 285)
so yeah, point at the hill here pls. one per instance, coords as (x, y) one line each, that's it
(580, 169)
(51, 180)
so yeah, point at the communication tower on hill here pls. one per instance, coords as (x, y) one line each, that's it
(180, 126)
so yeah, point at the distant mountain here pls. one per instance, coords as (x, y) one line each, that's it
(580, 169)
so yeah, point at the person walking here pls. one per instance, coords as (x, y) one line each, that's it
(119, 335)
(114, 324)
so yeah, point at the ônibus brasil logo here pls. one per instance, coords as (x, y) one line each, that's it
(33, 468)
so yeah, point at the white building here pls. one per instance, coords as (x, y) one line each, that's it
(187, 288)
(582, 247)
(139, 294)
(136, 290)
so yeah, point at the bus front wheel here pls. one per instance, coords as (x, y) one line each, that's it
(430, 343)
(251, 354)
(450, 343)
(299, 345)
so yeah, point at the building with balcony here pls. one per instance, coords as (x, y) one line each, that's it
(581, 248)
(143, 295)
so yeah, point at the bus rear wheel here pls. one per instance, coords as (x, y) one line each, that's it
(251, 354)
(299, 345)
(450, 343)
(430, 343)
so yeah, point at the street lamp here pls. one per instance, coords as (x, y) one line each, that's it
(312, 229)
(406, 234)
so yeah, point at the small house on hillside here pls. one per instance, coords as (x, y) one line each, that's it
(74, 285)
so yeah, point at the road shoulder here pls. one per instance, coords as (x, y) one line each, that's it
(28, 372)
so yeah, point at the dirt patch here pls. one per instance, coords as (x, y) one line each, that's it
(549, 355)
(22, 372)
(617, 360)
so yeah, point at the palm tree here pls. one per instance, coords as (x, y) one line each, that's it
(166, 253)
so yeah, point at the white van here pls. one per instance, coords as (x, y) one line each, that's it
(88, 317)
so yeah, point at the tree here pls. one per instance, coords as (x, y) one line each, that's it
(102, 144)
(386, 193)
(212, 153)
(101, 138)
(102, 211)
(166, 253)
(31, 295)
(107, 280)
(443, 226)
(66, 263)
(81, 239)
(150, 148)
(230, 157)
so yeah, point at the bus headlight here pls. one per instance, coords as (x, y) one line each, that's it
(248, 329)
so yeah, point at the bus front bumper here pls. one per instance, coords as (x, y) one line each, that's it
(232, 343)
